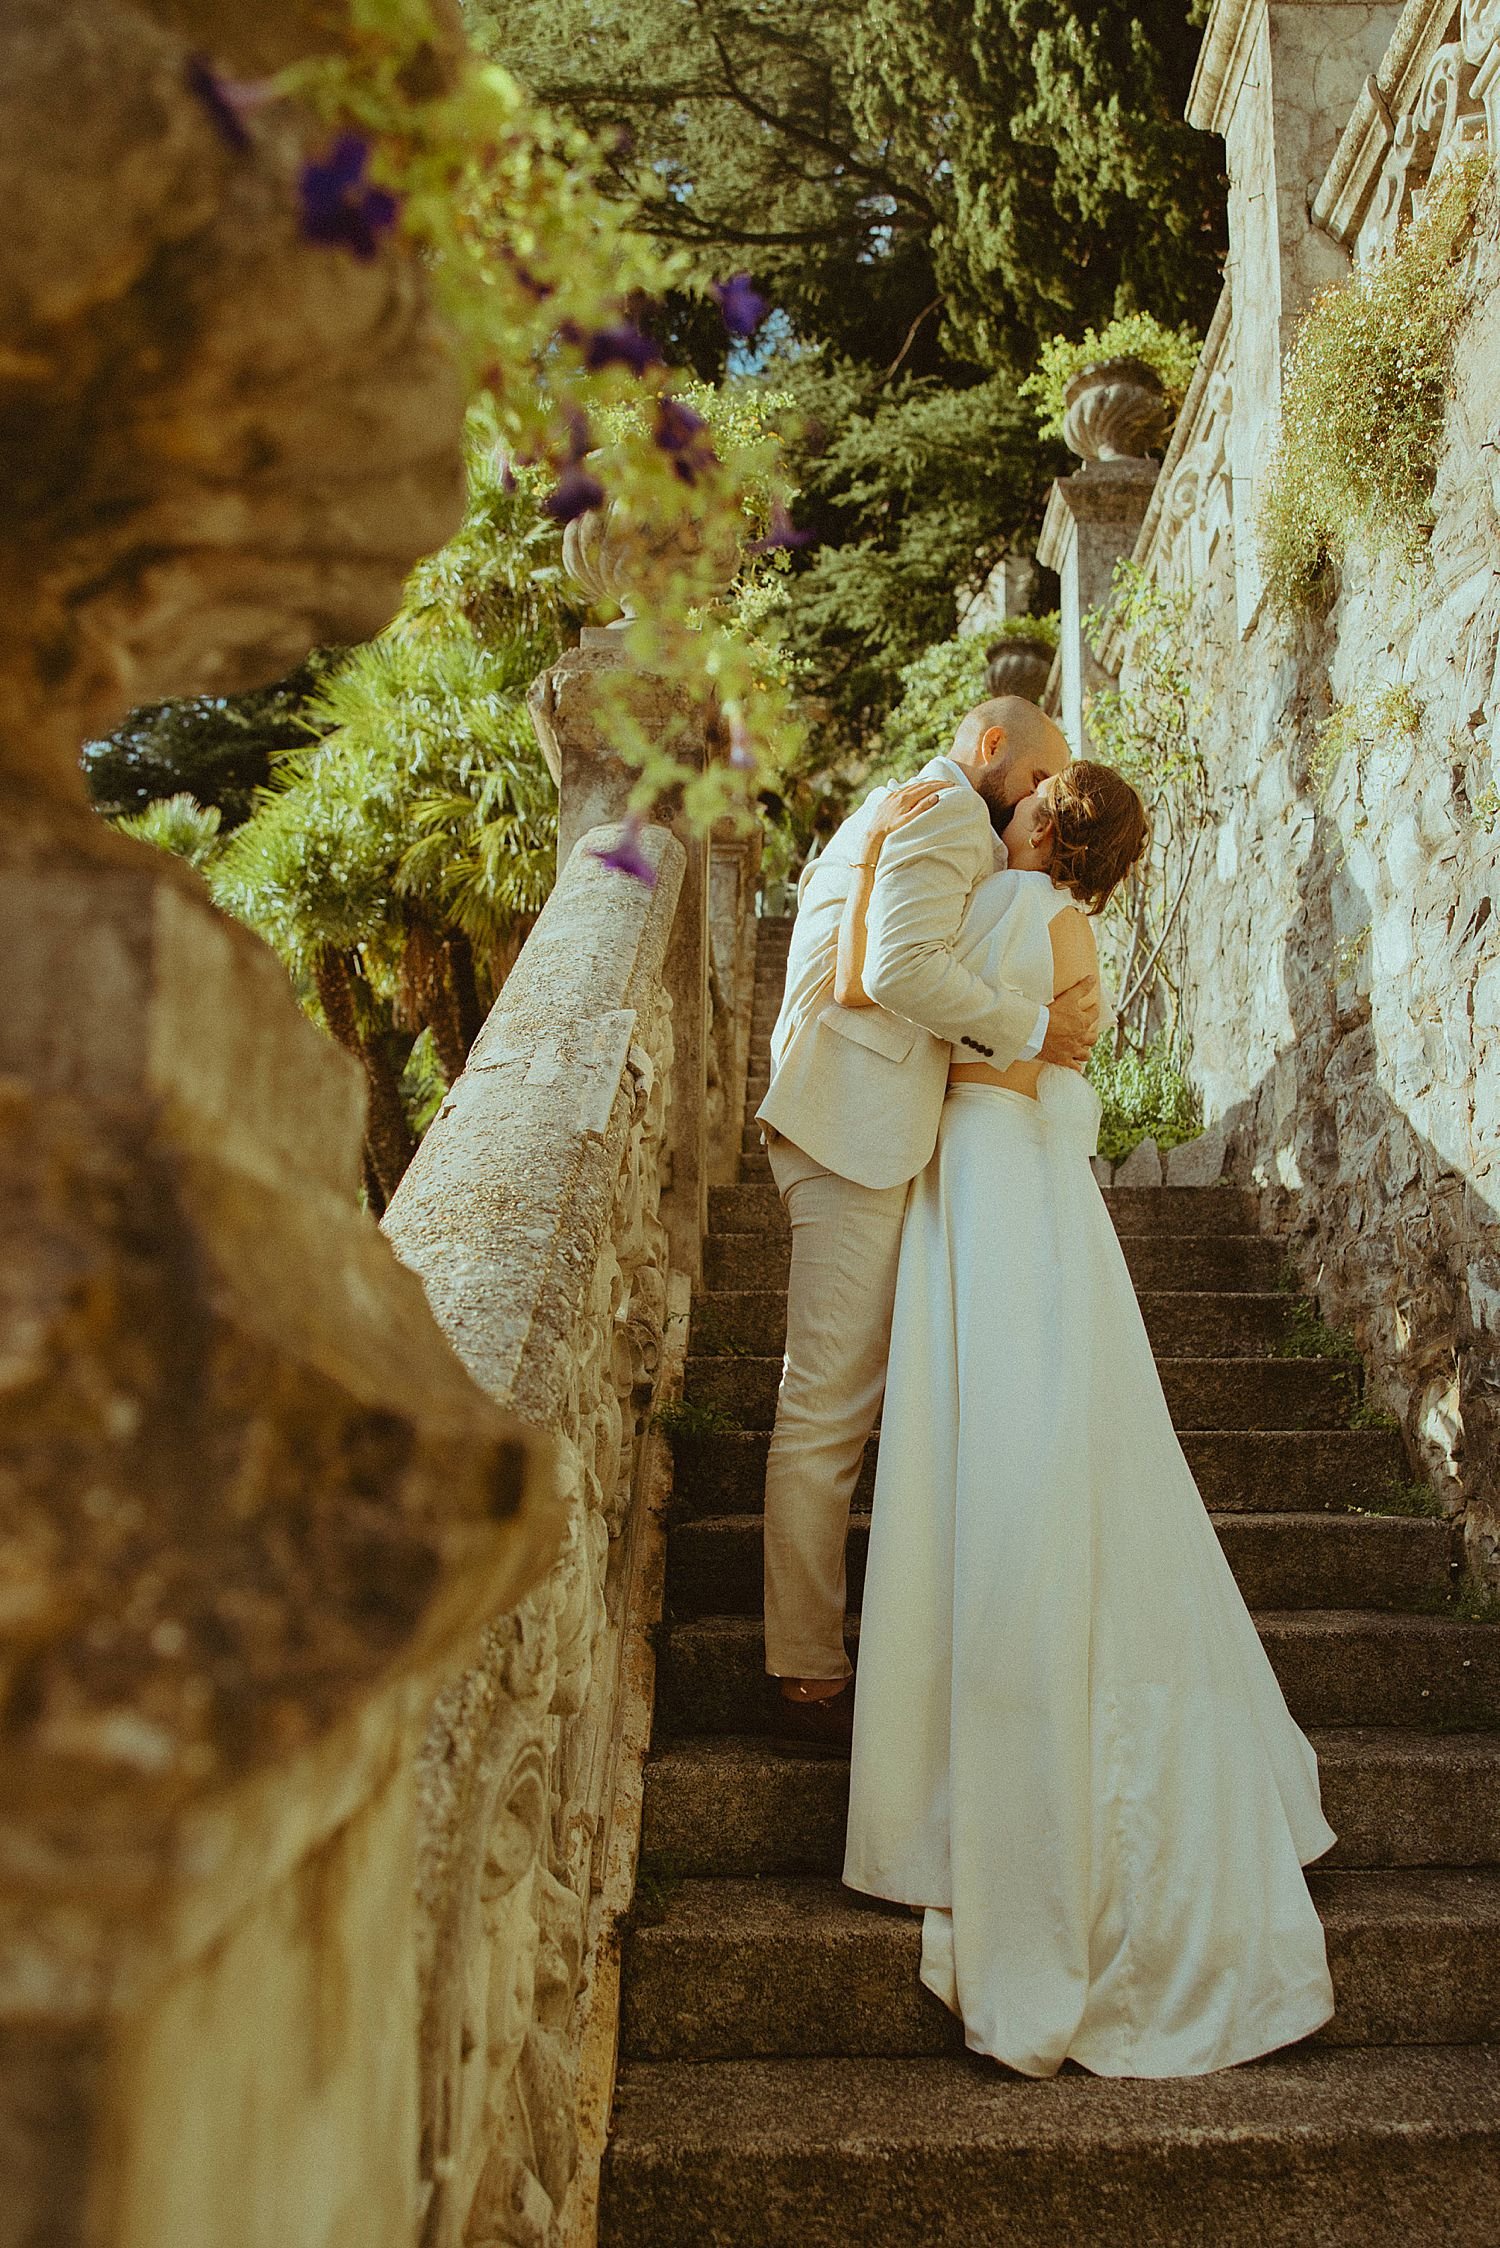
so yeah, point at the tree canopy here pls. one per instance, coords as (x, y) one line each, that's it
(997, 169)
(928, 191)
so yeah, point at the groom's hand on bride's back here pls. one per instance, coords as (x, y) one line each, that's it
(1072, 1025)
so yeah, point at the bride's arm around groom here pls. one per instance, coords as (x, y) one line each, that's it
(930, 868)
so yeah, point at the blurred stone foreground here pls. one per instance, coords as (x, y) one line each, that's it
(254, 1508)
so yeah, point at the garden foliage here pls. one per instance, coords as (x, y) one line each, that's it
(1366, 392)
(1171, 353)
(928, 193)
(1145, 1096)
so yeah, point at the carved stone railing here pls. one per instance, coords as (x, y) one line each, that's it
(531, 1212)
(309, 1711)
(1435, 94)
(1188, 532)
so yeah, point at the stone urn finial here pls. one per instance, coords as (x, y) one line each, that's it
(1116, 409)
(613, 559)
(1017, 666)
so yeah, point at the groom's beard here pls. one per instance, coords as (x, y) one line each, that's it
(991, 787)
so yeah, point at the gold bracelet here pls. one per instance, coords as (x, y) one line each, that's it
(866, 866)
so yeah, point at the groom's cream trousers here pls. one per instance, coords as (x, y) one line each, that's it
(845, 1243)
(862, 1089)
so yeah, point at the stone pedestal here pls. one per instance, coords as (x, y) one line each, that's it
(1093, 518)
(570, 708)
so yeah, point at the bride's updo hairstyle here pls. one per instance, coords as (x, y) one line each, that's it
(1099, 831)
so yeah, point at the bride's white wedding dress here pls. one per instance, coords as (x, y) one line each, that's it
(1069, 1743)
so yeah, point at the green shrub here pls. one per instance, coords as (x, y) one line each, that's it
(1308, 1335)
(938, 688)
(1171, 352)
(1033, 632)
(179, 824)
(1146, 1097)
(682, 1421)
(1357, 725)
(1414, 1500)
(1366, 393)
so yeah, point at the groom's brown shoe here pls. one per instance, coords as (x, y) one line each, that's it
(821, 1728)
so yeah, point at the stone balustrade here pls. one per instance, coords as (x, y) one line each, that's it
(313, 1604)
(532, 1213)
(1336, 956)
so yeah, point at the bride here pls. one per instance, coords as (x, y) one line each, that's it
(1069, 1747)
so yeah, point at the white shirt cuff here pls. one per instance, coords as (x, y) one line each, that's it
(1037, 1040)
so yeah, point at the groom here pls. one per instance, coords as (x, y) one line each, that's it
(850, 1117)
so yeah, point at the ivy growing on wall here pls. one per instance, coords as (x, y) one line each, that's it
(1355, 725)
(1366, 392)
(1147, 728)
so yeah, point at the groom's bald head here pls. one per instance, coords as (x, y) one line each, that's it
(1008, 747)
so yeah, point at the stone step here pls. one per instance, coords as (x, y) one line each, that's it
(740, 1806)
(759, 1260)
(1316, 2147)
(1336, 1666)
(1182, 1323)
(1221, 1393)
(1173, 1211)
(1283, 1470)
(780, 1966)
(1287, 1560)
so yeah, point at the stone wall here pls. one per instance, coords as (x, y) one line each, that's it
(297, 1840)
(1338, 953)
(531, 1212)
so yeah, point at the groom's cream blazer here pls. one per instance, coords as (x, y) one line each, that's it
(860, 1089)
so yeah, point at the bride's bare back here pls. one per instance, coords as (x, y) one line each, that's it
(1075, 956)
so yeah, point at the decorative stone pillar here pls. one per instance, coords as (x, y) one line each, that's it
(1092, 519)
(1278, 79)
(254, 1507)
(571, 708)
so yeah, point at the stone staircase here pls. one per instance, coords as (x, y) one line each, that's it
(786, 2082)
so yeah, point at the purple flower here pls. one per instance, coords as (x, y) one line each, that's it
(741, 754)
(620, 346)
(783, 532)
(534, 286)
(741, 304)
(683, 433)
(576, 493)
(339, 207)
(627, 857)
(225, 99)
